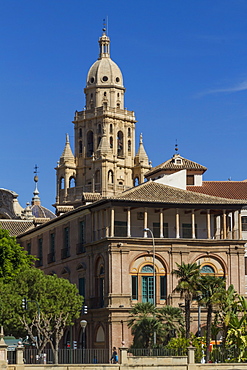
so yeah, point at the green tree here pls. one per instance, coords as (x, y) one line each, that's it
(172, 320)
(211, 289)
(144, 323)
(237, 331)
(13, 258)
(53, 304)
(227, 307)
(188, 275)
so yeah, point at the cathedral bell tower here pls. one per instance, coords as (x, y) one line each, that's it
(105, 130)
(104, 161)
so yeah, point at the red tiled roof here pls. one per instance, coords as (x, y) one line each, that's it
(223, 189)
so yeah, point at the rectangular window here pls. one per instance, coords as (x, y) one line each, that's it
(244, 223)
(156, 229)
(65, 250)
(80, 247)
(29, 247)
(120, 228)
(40, 252)
(187, 231)
(148, 289)
(190, 180)
(82, 286)
(163, 287)
(134, 287)
(51, 255)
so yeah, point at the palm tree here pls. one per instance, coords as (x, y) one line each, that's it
(211, 289)
(188, 275)
(228, 307)
(144, 323)
(172, 321)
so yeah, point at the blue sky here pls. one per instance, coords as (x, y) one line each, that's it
(185, 72)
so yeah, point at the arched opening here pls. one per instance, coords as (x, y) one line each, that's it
(100, 335)
(80, 132)
(129, 146)
(100, 284)
(72, 182)
(61, 183)
(80, 147)
(136, 181)
(111, 129)
(120, 143)
(97, 177)
(90, 148)
(129, 132)
(111, 142)
(110, 177)
(143, 283)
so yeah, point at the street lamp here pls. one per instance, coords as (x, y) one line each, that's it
(154, 289)
(83, 324)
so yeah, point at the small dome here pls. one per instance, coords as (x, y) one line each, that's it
(39, 211)
(105, 72)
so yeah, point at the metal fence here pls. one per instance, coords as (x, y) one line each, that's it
(68, 356)
(155, 352)
(11, 356)
(223, 355)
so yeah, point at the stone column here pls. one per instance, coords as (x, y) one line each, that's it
(19, 354)
(112, 222)
(177, 223)
(123, 355)
(193, 224)
(239, 225)
(107, 222)
(128, 222)
(224, 223)
(208, 224)
(3, 351)
(191, 355)
(145, 222)
(161, 224)
(233, 225)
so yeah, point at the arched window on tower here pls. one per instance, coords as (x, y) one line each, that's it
(129, 132)
(111, 142)
(80, 132)
(111, 128)
(89, 143)
(136, 181)
(129, 146)
(97, 177)
(80, 147)
(61, 183)
(71, 182)
(110, 177)
(120, 143)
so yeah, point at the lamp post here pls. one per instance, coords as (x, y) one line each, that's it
(154, 288)
(83, 324)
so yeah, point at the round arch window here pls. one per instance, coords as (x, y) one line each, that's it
(117, 79)
(105, 78)
(92, 80)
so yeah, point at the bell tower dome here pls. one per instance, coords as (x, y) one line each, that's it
(104, 85)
